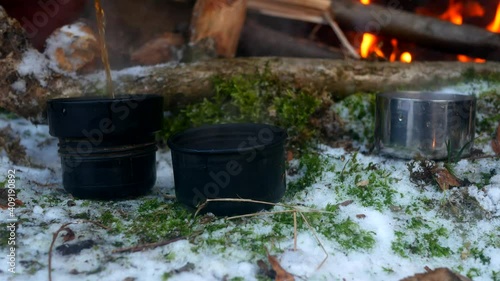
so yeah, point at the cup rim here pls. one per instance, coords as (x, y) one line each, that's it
(427, 96)
(101, 99)
(175, 141)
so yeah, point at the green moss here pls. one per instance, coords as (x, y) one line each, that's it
(253, 98)
(347, 233)
(82, 216)
(165, 276)
(495, 275)
(149, 206)
(378, 192)
(350, 235)
(4, 237)
(7, 114)
(471, 74)
(51, 200)
(473, 272)
(478, 254)
(108, 219)
(358, 114)
(312, 166)
(239, 234)
(417, 223)
(170, 256)
(157, 221)
(423, 243)
(387, 269)
(488, 104)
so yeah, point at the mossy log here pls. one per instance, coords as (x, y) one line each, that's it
(187, 83)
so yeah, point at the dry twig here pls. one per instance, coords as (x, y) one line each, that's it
(340, 34)
(291, 209)
(63, 228)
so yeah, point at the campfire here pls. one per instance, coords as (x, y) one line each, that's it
(408, 42)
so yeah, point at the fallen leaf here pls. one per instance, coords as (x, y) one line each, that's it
(264, 269)
(445, 179)
(69, 235)
(74, 271)
(361, 216)
(439, 274)
(281, 274)
(4, 199)
(495, 142)
(75, 248)
(346, 203)
(363, 183)
(186, 268)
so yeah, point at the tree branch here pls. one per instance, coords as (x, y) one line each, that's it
(187, 83)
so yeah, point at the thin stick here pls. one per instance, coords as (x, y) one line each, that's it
(340, 34)
(147, 246)
(258, 214)
(304, 210)
(317, 239)
(314, 31)
(294, 210)
(244, 200)
(208, 200)
(55, 234)
(54, 237)
(295, 230)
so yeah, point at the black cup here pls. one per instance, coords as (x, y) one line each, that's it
(107, 146)
(229, 161)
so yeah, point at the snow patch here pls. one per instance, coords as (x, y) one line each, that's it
(35, 64)
(19, 86)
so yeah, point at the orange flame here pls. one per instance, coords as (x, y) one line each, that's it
(453, 13)
(494, 26)
(473, 9)
(369, 42)
(369, 45)
(394, 44)
(405, 57)
(464, 58)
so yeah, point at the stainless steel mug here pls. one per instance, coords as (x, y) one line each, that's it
(427, 124)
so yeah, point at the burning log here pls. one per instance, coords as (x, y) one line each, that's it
(257, 41)
(29, 81)
(422, 30)
(220, 21)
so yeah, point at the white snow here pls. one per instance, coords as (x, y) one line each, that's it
(19, 86)
(35, 64)
(67, 40)
(417, 213)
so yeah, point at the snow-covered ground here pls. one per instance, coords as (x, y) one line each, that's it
(393, 228)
